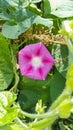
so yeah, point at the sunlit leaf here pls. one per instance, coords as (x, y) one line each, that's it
(7, 98)
(5, 127)
(7, 112)
(62, 8)
(9, 116)
(35, 1)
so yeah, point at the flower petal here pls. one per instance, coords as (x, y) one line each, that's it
(40, 70)
(45, 60)
(36, 49)
(38, 52)
(35, 61)
(27, 57)
(26, 69)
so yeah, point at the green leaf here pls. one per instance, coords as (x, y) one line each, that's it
(11, 127)
(3, 5)
(8, 112)
(62, 8)
(57, 85)
(19, 19)
(6, 68)
(35, 1)
(9, 116)
(60, 53)
(5, 127)
(17, 3)
(46, 22)
(3, 111)
(61, 125)
(55, 4)
(12, 2)
(13, 31)
(32, 91)
(23, 3)
(7, 98)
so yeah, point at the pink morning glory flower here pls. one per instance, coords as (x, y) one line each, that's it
(35, 61)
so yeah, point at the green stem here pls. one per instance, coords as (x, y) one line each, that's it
(22, 43)
(14, 88)
(43, 123)
(22, 124)
(44, 115)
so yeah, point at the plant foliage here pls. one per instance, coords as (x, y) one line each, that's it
(28, 104)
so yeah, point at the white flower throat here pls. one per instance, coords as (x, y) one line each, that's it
(36, 61)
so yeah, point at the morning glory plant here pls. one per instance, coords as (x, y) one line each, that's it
(35, 61)
(44, 100)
